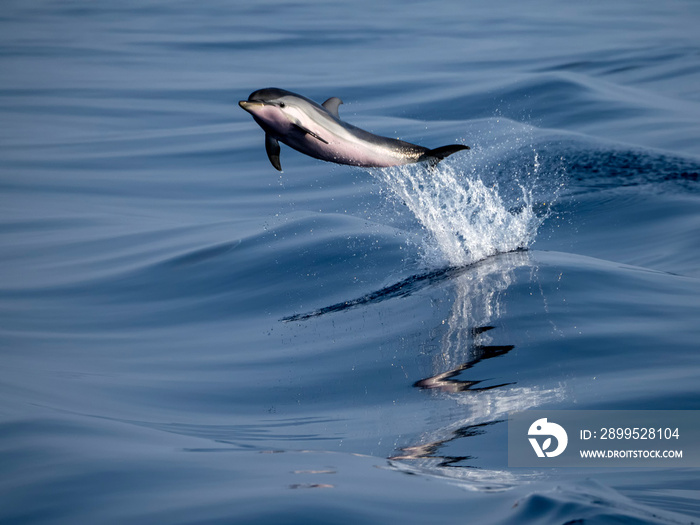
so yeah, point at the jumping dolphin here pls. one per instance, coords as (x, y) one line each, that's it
(316, 130)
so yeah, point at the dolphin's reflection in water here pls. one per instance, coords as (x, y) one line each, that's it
(446, 381)
(479, 291)
(478, 306)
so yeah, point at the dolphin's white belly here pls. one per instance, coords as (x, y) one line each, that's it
(344, 147)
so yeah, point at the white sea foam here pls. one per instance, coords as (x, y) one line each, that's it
(464, 211)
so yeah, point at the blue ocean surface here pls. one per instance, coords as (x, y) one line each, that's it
(188, 336)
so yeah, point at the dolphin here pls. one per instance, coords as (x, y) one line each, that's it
(317, 131)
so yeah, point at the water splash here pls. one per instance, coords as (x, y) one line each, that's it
(464, 210)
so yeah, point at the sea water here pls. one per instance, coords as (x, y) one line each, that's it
(188, 336)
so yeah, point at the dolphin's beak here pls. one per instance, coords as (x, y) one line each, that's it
(248, 105)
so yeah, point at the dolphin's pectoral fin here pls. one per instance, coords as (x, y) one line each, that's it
(332, 106)
(309, 132)
(434, 156)
(273, 151)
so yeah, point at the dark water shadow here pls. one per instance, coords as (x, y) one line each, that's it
(403, 288)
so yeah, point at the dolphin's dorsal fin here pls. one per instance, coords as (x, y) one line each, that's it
(332, 106)
(273, 151)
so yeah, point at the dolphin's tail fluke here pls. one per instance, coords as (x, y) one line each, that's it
(433, 156)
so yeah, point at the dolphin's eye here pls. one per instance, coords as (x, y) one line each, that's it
(282, 104)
